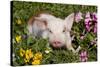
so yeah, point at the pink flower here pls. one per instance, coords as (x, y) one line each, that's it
(83, 56)
(91, 22)
(94, 16)
(95, 28)
(94, 42)
(82, 36)
(87, 21)
(78, 17)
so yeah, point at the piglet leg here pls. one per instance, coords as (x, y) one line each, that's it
(69, 44)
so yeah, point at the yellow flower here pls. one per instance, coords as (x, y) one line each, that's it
(36, 62)
(18, 38)
(37, 56)
(28, 54)
(26, 60)
(22, 52)
(19, 21)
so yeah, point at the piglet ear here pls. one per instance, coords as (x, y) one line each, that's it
(42, 23)
(69, 21)
(36, 23)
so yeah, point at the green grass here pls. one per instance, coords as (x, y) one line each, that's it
(24, 10)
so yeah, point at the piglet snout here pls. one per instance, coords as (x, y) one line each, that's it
(56, 42)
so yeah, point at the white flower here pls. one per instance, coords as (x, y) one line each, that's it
(47, 51)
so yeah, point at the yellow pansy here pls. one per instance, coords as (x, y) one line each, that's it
(38, 56)
(18, 38)
(28, 54)
(26, 60)
(19, 21)
(22, 52)
(36, 62)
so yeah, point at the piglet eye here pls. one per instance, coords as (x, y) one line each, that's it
(50, 31)
(64, 30)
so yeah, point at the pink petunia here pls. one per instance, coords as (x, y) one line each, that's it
(87, 21)
(95, 28)
(83, 56)
(94, 16)
(78, 17)
(91, 22)
(87, 18)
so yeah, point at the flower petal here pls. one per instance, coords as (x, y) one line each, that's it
(78, 17)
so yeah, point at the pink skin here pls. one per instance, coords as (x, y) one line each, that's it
(56, 44)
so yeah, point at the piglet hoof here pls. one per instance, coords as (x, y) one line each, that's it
(77, 50)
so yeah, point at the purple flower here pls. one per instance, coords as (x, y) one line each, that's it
(91, 22)
(83, 56)
(94, 16)
(78, 17)
(94, 19)
(95, 28)
(87, 21)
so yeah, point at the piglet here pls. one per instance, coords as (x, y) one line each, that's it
(57, 30)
